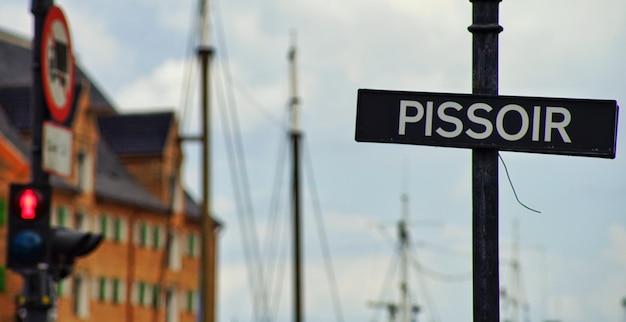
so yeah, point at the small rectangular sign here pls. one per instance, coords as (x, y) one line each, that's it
(579, 127)
(57, 149)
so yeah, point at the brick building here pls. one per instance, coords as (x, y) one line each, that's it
(125, 184)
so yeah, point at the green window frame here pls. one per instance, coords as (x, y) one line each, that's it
(102, 288)
(3, 212)
(155, 296)
(190, 301)
(116, 291)
(61, 214)
(141, 289)
(60, 288)
(191, 245)
(104, 225)
(3, 279)
(156, 237)
(143, 234)
(117, 229)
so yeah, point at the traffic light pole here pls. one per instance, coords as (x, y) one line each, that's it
(37, 296)
(39, 9)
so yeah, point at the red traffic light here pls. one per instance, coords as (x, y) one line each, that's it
(28, 204)
(29, 235)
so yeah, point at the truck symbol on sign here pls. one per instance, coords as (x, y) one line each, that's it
(58, 62)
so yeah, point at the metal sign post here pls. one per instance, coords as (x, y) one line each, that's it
(485, 30)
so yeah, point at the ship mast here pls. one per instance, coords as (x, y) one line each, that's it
(295, 134)
(404, 308)
(207, 266)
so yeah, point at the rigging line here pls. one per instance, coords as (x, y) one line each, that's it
(391, 268)
(321, 230)
(280, 269)
(442, 249)
(241, 219)
(512, 187)
(463, 277)
(429, 300)
(266, 113)
(273, 247)
(279, 276)
(523, 299)
(187, 85)
(240, 158)
(385, 233)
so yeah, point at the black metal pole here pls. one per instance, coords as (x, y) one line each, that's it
(297, 234)
(485, 30)
(37, 283)
(38, 108)
(296, 135)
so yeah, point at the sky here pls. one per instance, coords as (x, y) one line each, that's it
(572, 255)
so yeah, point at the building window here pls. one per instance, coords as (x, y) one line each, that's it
(103, 289)
(81, 300)
(143, 234)
(3, 279)
(173, 250)
(63, 287)
(119, 231)
(192, 245)
(3, 212)
(104, 229)
(156, 237)
(192, 301)
(80, 220)
(84, 172)
(171, 306)
(118, 291)
(61, 216)
(156, 292)
(139, 293)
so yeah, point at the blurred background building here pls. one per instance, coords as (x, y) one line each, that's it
(125, 183)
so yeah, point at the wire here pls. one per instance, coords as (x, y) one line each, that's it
(317, 210)
(188, 76)
(262, 110)
(240, 179)
(275, 231)
(390, 270)
(462, 277)
(513, 188)
(429, 300)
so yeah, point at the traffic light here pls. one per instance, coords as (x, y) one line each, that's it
(29, 226)
(68, 244)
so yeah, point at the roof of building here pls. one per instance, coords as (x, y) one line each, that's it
(14, 99)
(115, 183)
(136, 133)
(11, 132)
(16, 68)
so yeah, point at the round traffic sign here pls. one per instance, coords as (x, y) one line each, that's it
(57, 65)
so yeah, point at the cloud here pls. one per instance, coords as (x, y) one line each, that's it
(160, 89)
(615, 252)
(17, 15)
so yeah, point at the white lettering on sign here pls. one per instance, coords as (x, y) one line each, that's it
(556, 119)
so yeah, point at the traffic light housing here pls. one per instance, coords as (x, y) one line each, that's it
(29, 226)
(33, 244)
(68, 244)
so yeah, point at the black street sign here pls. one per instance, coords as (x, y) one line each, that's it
(579, 127)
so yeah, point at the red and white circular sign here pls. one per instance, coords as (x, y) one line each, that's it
(57, 65)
